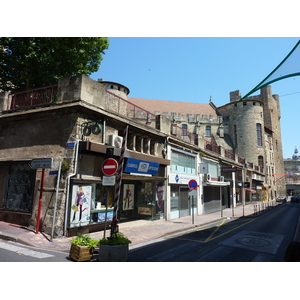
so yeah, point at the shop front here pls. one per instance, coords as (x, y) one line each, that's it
(181, 204)
(142, 194)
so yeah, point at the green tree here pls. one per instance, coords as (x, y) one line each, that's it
(40, 61)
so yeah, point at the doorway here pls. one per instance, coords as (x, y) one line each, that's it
(184, 207)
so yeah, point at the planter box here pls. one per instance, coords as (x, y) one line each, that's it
(81, 253)
(118, 253)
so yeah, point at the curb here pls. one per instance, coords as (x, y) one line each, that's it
(7, 237)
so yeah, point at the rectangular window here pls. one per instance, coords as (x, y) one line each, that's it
(208, 131)
(182, 163)
(184, 129)
(20, 186)
(259, 135)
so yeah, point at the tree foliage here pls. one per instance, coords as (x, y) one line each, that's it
(40, 61)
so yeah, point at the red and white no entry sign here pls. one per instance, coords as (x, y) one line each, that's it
(110, 167)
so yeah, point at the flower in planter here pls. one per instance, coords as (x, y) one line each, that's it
(118, 239)
(84, 240)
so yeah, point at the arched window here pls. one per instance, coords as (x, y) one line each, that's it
(207, 131)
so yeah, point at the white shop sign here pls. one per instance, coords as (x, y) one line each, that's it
(175, 178)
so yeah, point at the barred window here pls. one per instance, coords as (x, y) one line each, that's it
(20, 186)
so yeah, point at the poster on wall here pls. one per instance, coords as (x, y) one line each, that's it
(128, 198)
(160, 198)
(80, 206)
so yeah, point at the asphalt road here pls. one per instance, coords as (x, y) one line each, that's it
(260, 239)
(14, 252)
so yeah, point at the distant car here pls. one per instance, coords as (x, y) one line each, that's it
(295, 198)
(281, 199)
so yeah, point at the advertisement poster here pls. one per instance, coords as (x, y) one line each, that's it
(80, 206)
(101, 216)
(160, 198)
(128, 198)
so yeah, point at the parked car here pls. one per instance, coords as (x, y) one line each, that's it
(281, 199)
(295, 198)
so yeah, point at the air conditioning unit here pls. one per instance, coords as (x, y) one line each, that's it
(221, 178)
(115, 141)
(206, 177)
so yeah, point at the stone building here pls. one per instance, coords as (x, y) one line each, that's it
(254, 126)
(292, 173)
(248, 128)
(80, 123)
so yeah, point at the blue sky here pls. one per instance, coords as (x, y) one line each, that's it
(191, 69)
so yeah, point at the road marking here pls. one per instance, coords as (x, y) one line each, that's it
(211, 235)
(210, 238)
(257, 241)
(24, 251)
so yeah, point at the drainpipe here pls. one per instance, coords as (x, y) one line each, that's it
(68, 186)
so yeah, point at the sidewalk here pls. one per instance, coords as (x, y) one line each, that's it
(140, 232)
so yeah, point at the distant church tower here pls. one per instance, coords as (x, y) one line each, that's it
(296, 155)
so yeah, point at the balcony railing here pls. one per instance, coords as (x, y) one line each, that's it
(229, 154)
(38, 96)
(123, 107)
(212, 147)
(184, 134)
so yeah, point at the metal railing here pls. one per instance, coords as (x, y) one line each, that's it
(229, 154)
(38, 96)
(212, 147)
(123, 107)
(184, 134)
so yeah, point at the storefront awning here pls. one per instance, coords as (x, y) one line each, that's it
(252, 191)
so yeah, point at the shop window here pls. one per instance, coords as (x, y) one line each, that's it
(21, 180)
(91, 203)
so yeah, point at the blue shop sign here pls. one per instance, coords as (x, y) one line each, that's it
(141, 166)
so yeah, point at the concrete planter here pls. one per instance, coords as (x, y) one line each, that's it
(117, 253)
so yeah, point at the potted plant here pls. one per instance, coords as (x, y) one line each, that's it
(114, 248)
(82, 247)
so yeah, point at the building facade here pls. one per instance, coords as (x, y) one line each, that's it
(80, 123)
(292, 173)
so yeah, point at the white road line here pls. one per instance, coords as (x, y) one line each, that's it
(24, 251)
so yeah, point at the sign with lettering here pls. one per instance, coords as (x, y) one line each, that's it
(141, 166)
(41, 163)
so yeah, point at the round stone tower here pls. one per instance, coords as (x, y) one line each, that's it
(244, 122)
(116, 88)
